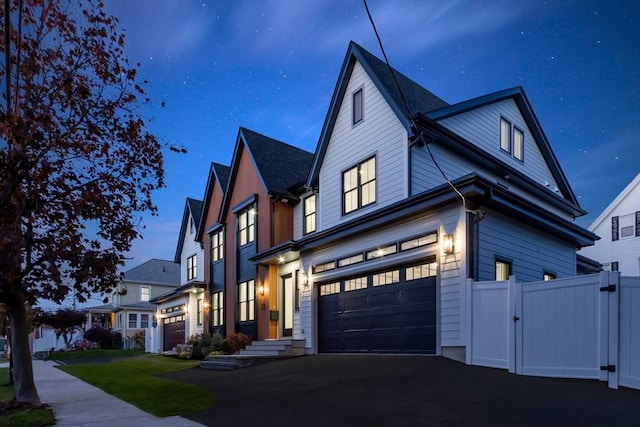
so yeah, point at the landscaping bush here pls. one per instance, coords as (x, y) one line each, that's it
(106, 339)
(203, 344)
(185, 355)
(235, 342)
(139, 340)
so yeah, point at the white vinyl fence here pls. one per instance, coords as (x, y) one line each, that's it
(577, 327)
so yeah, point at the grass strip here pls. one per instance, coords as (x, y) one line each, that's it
(88, 355)
(28, 417)
(136, 381)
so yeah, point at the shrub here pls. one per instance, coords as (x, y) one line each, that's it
(139, 340)
(105, 338)
(203, 344)
(235, 342)
(184, 355)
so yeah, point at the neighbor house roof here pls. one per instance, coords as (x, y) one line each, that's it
(418, 99)
(154, 271)
(193, 209)
(608, 211)
(218, 175)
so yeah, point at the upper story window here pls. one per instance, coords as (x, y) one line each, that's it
(144, 293)
(246, 226)
(359, 186)
(192, 267)
(217, 246)
(503, 269)
(511, 139)
(357, 107)
(625, 226)
(309, 214)
(192, 226)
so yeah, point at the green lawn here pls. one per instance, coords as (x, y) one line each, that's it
(89, 355)
(135, 381)
(25, 417)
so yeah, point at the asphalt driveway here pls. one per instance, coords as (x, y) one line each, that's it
(370, 390)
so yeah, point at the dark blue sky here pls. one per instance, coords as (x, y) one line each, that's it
(271, 66)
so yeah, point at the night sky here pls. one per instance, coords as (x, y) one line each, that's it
(271, 66)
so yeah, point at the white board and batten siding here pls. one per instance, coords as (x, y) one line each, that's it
(481, 126)
(191, 247)
(425, 176)
(452, 268)
(380, 134)
(532, 253)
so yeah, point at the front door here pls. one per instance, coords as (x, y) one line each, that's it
(287, 305)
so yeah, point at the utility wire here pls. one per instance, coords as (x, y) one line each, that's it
(477, 212)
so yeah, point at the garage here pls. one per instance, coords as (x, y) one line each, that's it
(391, 311)
(173, 332)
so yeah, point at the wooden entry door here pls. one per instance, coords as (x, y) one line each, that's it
(287, 305)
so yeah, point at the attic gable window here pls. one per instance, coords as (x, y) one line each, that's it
(511, 139)
(357, 107)
(359, 186)
(505, 135)
(625, 226)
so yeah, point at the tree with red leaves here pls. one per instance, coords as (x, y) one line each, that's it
(64, 321)
(77, 165)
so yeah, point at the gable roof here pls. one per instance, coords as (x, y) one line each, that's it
(193, 209)
(158, 271)
(520, 98)
(218, 174)
(419, 99)
(608, 211)
(279, 166)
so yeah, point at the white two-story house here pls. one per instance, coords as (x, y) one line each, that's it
(406, 200)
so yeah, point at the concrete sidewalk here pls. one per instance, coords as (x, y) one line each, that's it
(76, 403)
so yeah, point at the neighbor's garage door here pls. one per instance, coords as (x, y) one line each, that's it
(392, 311)
(173, 333)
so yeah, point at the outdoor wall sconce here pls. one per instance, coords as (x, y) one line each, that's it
(304, 280)
(261, 290)
(448, 244)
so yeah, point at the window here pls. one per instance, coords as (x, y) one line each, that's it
(350, 260)
(518, 144)
(503, 269)
(192, 267)
(383, 251)
(330, 288)
(199, 311)
(357, 106)
(246, 299)
(144, 320)
(421, 271)
(217, 305)
(505, 135)
(217, 246)
(548, 276)
(320, 268)
(192, 227)
(359, 186)
(418, 242)
(246, 226)
(625, 226)
(355, 284)
(144, 293)
(309, 214)
(133, 320)
(614, 266)
(386, 278)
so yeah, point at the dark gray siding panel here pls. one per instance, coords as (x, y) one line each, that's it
(217, 276)
(532, 251)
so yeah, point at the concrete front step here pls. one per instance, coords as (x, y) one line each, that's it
(280, 347)
(234, 361)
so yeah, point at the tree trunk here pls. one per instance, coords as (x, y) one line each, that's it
(24, 386)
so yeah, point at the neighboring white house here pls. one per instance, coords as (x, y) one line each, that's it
(619, 229)
(181, 311)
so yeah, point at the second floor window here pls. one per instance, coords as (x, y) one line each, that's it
(625, 226)
(359, 186)
(192, 267)
(144, 293)
(309, 214)
(246, 226)
(217, 246)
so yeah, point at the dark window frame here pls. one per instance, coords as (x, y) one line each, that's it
(217, 309)
(520, 158)
(247, 234)
(192, 267)
(245, 306)
(506, 261)
(360, 185)
(216, 249)
(506, 132)
(306, 215)
(357, 106)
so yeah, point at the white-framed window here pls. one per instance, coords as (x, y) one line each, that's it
(518, 144)
(309, 207)
(144, 321)
(246, 226)
(133, 320)
(217, 246)
(503, 269)
(192, 226)
(145, 293)
(246, 301)
(511, 139)
(625, 226)
(505, 135)
(192, 267)
(217, 312)
(359, 186)
(357, 106)
(546, 276)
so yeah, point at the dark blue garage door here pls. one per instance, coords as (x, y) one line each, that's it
(392, 311)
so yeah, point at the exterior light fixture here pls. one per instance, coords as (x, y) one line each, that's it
(304, 280)
(261, 290)
(280, 259)
(448, 244)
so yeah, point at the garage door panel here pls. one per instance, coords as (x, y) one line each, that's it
(393, 318)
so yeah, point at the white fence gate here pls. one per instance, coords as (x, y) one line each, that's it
(577, 327)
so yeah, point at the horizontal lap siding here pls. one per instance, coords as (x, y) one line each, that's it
(191, 247)
(380, 134)
(531, 251)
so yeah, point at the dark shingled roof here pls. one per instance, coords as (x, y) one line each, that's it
(419, 99)
(223, 172)
(155, 271)
(280, 165)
